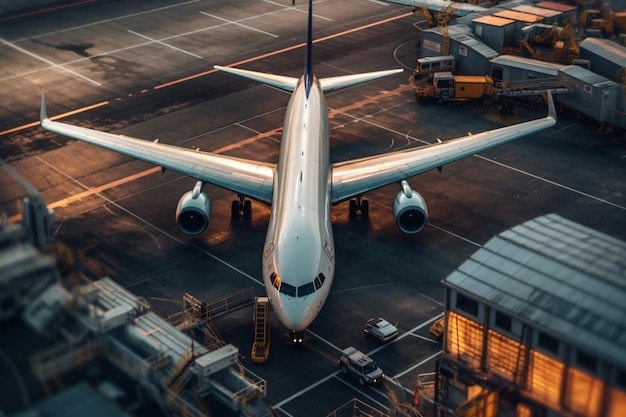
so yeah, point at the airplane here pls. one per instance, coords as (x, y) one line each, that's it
(446, 6)
(298, 259)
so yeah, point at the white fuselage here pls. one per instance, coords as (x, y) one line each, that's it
(299, 252)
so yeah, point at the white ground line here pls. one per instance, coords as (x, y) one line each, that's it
(47, 34)
(164, 44)
(417, 365)
(144, 221)
(556, 184)
(296, 9)
(234, 22)
(47, 61)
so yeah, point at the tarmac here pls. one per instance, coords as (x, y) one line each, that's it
(145, 69)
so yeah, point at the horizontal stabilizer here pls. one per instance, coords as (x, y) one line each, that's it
(278, 81)
(333, 83)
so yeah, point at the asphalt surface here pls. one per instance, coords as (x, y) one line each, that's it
(144, 68)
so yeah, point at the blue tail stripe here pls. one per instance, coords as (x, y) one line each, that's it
(308, 64)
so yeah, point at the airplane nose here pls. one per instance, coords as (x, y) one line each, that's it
(295, 315)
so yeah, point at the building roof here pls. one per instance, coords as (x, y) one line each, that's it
(463, 35)
(493, 20)
(519, 16)
(515, 61)
(558, 276)
(588, 77)
(556, 6)
(606, 48)
(539, 11)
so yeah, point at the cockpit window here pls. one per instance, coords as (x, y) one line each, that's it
(287, 289)
(319, 281)
(306, 289)
(275, 280)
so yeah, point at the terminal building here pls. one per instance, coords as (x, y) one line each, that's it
(534, 325)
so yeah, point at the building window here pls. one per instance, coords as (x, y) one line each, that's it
(467, 304)
(586, 361)
(548, 343)
(621, 379)
(504, 322)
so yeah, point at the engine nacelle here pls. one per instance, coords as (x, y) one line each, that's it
(409, 210)
(193, 214)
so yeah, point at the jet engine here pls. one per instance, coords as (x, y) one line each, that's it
(193, 211)
(409, 210)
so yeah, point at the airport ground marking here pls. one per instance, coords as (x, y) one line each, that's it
(47, 61)
(46, 10)
(158, 9)
(354, 387)
(236, 23)
(296, 9)
(556, 184)
(145, 222)
(307, 389)
(417, 365)
(152, 40)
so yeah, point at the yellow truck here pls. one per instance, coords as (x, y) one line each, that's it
(446, 86)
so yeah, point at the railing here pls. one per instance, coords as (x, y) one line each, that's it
(195, 315)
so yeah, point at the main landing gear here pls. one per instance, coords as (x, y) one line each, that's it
(359, 204)
(241, 206)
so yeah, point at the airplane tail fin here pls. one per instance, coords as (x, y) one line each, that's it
(289, 83)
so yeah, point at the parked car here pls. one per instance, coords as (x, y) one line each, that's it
(381, 329)
(361, 366)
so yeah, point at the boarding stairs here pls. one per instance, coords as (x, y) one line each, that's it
(261, 346)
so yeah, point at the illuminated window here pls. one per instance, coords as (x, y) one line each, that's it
(467, 304)
(545, 379)
(616, 403)
(464, 339)
(583, 393)
(505, 357)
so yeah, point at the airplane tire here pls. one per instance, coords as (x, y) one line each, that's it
(234, 209)
(247, 209)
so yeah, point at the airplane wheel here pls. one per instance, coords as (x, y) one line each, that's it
(352, 208)
(247, 209)
(234, 209)
(365, 208)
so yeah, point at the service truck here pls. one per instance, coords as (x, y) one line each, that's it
(447, 86)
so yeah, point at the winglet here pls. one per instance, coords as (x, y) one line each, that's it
(551, 109)
(43, 116)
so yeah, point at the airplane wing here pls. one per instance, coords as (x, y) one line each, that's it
(251, 178)
(355, 177)
(458, 8)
